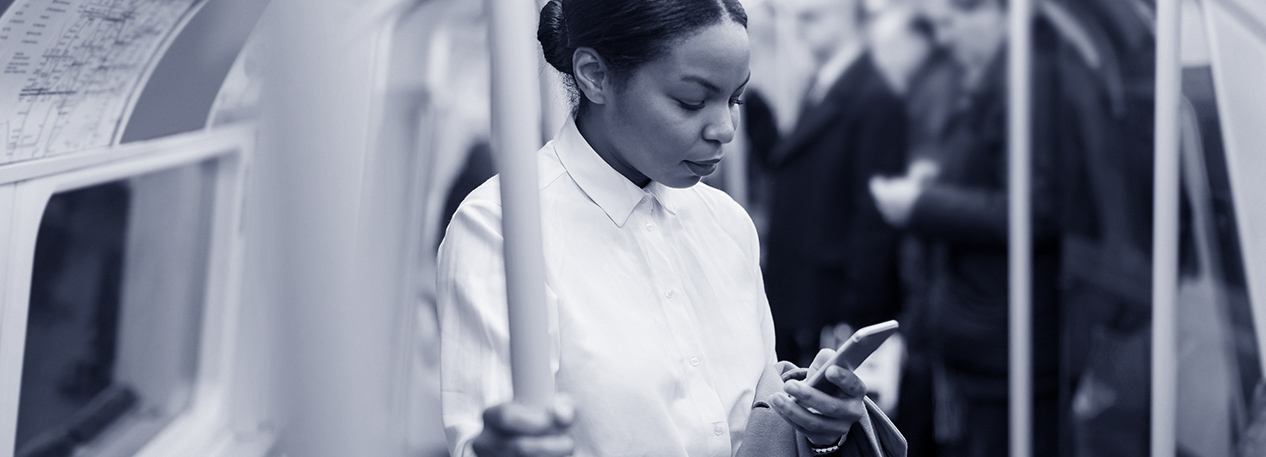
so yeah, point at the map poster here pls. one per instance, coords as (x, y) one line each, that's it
(69, 69)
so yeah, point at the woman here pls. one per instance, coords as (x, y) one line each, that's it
(658, 317)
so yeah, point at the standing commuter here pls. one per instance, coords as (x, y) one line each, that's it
(960, 208)
(660, 331)
(831, 257)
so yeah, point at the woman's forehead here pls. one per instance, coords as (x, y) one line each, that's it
(716, 56)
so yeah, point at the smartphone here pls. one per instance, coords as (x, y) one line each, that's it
(852, 353)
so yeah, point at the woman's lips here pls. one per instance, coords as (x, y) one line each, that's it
(703, 168)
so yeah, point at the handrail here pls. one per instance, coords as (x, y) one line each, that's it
(1020, 235)
(516, 135)
(1165, 231)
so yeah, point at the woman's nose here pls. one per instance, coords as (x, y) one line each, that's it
(721, 128)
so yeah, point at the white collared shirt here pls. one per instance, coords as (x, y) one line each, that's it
(659, 324)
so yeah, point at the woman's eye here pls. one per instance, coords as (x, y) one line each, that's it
(691, 106)
(736, 101)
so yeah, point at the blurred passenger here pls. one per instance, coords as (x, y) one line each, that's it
(660, 330)
(923, 74)
(759, 113)
(959, 204)
(831, 257)
(926, 77)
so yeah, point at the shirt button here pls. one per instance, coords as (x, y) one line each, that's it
(694, 361)
(650, 227)
(668, 293)
(718, 430)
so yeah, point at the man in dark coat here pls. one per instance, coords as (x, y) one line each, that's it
(831, 258)
(962, 212)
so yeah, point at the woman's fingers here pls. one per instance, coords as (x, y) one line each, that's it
(544, 446)
(563, 411)
(818, 428)
(516, 419)
(824, 355)
(845, 406)
(850, 385)
(515, 430)
(493, 445)
(821, 417)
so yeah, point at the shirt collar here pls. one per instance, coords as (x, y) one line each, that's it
(610, 190)
(666, 196)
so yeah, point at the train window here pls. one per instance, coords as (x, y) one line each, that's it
(1219, 372)
(115, 313)
(71, 339)
(1220, 260)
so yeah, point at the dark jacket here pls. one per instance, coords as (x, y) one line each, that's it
(831, 257)
(964, 214)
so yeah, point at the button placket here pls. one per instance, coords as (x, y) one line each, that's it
(683, 324)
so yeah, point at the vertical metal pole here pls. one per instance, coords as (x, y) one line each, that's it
(516, 136)
(1165, 231)
(1020, 241)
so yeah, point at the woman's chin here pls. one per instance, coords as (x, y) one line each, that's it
(682, 182)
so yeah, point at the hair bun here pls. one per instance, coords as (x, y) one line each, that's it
(553, 34)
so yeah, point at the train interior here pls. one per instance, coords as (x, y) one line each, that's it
(221, 220)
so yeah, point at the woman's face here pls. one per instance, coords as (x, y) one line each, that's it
(672, 115)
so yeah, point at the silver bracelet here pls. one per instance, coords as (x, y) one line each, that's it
(829, 449)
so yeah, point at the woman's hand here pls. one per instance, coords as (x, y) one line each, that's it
(514, 430)
(822, 418)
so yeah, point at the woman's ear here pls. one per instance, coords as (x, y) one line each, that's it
(592, 75)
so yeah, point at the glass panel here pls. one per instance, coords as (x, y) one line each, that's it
(1234, 332)
(116, 307)
(68, 386)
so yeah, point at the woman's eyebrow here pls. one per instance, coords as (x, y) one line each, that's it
(702, 82)
(709, 85)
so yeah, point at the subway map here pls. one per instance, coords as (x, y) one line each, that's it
(70, 68)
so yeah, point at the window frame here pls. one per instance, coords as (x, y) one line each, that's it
(25, 190)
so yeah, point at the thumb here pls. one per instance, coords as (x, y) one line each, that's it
(563, 411)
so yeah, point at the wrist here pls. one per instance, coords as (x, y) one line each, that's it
(821, 446)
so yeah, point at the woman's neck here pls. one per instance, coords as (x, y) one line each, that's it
(596, 131)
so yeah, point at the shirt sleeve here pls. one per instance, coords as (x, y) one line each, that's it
(474, 327)
(767, 317)
(741, 227)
